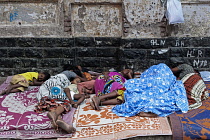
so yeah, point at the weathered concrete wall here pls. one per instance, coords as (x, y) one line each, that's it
(100, 18)
(97, 20)
(39, 18)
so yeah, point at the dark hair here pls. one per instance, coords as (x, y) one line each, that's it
(175, 61)
(78, 72)
(74, 68)
(47, 75)
(71, 79)
(133, 74)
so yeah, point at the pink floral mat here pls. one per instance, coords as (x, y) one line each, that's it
(105, 125)
(18, 119)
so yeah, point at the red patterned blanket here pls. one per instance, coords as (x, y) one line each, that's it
(18, 119)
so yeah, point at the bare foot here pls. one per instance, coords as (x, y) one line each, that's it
(9, 88)
(75, 105)
(66, 127)
(147, 114)
(96, 102)
(87, 96)
(3, 92)
(53, 117)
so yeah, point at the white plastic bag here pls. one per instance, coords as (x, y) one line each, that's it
(174, 12)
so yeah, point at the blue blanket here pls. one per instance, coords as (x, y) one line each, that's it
(156, 91)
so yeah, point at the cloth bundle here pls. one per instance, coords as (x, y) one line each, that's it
(174, 12)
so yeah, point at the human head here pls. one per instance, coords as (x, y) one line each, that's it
(43, 76)
(73, 68)
(127, 73)
(75, 80)
(175, 61)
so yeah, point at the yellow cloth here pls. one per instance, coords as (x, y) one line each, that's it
(73, 87)
(30, 75)
(121, 95)
(19, 79)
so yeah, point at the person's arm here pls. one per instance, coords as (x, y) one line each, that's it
(68, 94)
(81, 78)
(127, 73)
(106, 75)
(80, 88)
(175, 70)
(35, 82)
(82, 73)
(130, 76)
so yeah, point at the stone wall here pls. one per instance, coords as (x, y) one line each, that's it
(19, 55)
(100, 34)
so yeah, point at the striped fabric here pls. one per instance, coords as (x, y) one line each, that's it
(195, 89)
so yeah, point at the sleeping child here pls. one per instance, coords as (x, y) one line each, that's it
(20, 82)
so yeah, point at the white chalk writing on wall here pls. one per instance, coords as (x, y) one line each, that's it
(191, 53)
(195, 53)
(179, 43)
(200, 63)
(155, 42)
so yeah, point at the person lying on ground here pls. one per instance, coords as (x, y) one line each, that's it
(89, 75)
(115, 97)
(73, 71)
(75, 95)
(21, 82)
(110, 81)
(86, 87)
(110, 88)
(54, 96)
(155, 93)
(195, 87)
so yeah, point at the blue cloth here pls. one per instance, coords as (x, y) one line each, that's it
(156, 91)
(205, 75)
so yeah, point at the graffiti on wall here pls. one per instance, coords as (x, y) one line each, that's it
(155, 42)
(13, 16)
(196, 55)
(28, 13)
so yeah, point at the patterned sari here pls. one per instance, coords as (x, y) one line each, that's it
(115, 82)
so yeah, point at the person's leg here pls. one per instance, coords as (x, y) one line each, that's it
(97, 100)
(147, 114)
(80, 98)
(63, 125)
(53, 115)
(13, 88)
(111, 102)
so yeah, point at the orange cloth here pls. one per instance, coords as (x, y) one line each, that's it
(87, 76)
